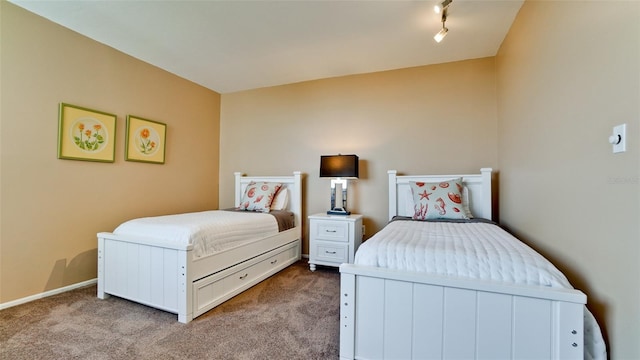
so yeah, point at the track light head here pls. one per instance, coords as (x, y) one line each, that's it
(442, 6)
(441, 34)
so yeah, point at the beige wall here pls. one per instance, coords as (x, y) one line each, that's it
(51, 209)
(567, 73)
(436, 119)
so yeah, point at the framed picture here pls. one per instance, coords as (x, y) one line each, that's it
(145, 140)
(85, 134)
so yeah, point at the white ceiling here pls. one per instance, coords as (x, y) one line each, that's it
(230, 46)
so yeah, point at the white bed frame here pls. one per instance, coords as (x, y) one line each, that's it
(391, 314)
(168, 277)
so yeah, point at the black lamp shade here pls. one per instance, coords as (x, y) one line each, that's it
(342, 166)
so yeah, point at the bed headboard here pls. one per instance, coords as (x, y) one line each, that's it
(478, 186)
(292, 184)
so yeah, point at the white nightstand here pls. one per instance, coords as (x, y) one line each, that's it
(333, 239)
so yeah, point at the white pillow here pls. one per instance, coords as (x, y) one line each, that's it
(281, 200)
(408, 201)
(465, 202)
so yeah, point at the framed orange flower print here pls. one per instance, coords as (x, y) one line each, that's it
(85, 134)
(145, 140)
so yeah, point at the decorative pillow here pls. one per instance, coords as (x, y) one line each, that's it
(407, 194)
(258, 196)
(281, 200)
(441, 200)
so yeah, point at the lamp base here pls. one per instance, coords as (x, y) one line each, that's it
(338, 211)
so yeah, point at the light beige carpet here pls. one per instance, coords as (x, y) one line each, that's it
(292, 315)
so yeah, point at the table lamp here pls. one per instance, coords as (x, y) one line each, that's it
(340, 168)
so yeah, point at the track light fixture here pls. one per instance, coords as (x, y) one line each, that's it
(442, 6)
(443, 32)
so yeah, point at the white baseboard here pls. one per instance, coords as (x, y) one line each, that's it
(47, 293)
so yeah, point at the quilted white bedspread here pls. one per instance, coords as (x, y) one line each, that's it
(208, 231)
(473, 250)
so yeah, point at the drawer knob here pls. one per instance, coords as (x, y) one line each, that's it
(274, 261)
(330, 252)
(243, 276)
(330, 231)
(574, 345)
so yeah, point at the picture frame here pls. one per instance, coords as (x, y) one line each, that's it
(145, 140)
(86, 134)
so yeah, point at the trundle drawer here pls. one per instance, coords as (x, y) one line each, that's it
(249, 274)
(331, 251)
(221, 286)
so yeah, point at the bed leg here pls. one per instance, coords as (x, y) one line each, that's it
(185, 319)
(347, 315)
(101, 294)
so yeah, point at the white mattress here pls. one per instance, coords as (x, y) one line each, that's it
(207, 231)
(470, 250)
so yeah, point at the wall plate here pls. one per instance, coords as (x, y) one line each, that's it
(619, 138)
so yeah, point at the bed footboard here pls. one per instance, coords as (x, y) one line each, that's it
(388, 314)
(151, 275)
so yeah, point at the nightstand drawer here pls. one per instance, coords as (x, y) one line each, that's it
(332, 230)
(330, 251)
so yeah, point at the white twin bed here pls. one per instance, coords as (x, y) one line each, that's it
(458, 289)
(189, 263)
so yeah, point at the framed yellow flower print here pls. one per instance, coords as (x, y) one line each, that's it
(145, 140)
(85, 134)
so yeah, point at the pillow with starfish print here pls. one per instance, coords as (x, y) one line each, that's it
(441, 200)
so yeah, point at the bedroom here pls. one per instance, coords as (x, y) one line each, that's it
(542, 110)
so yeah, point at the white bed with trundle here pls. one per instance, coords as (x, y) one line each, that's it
(189, 263)
(457, 288)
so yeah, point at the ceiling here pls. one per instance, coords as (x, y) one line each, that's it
(230, 46)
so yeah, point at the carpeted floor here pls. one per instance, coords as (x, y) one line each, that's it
(292, 315)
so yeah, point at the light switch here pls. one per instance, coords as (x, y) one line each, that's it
(618, 139)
